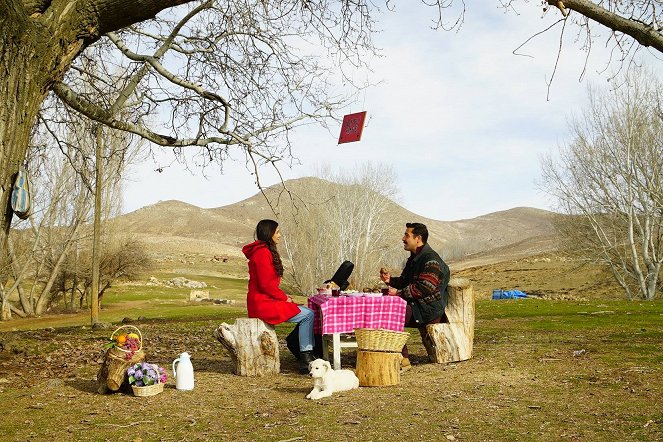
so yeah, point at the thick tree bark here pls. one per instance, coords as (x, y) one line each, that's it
(38, 42)
(253, 346)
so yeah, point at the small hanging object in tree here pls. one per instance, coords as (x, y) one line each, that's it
(353, 125)
(20, 199)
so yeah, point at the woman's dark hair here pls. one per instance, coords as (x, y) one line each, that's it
(264, 232)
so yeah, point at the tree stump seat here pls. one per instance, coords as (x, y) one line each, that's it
(453, 341)
(378, 369)
(252, 345)
(113, 372)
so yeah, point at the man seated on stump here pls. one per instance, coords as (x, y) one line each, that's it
(422, 284)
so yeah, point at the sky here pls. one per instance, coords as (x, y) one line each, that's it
(462, 121)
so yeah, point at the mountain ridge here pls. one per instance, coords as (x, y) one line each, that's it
(224, 229)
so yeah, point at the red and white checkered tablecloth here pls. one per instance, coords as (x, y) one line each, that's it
(345, 313)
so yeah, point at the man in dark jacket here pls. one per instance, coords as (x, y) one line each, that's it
(422, 284)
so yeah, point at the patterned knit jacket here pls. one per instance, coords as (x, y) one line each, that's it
(423, 284)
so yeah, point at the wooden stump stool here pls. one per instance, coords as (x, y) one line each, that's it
(252, 345)
(453, 341)
(113, 371)
(377, 368)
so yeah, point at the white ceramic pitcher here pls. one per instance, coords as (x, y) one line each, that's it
(184, 373)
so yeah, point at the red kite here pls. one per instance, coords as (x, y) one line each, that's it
(352, 126)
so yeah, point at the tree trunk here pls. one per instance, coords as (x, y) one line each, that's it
(45, 296)
(18, 275)
(252, 345)
(461, 306)
(5, 308)
(453, 341)
(96, 237)
(21, 94)
(377, 368)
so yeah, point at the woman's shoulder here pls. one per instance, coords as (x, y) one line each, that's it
(250, 250)
(262, 253)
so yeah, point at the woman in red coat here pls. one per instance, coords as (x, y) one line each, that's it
(265, 299)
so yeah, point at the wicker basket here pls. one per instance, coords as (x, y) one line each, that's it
(380, 339)
(149, 390)
(112, 372)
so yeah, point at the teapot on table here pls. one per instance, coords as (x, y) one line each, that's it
(184, 373)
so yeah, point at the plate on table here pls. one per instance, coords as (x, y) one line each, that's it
(355, 294)
(372, 295)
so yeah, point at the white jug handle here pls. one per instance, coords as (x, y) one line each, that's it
(175, 362)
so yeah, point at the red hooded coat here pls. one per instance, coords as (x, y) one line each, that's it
(265, 299)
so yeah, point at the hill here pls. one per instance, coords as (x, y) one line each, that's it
(174, 227)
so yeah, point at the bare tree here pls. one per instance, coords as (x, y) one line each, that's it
(123, 259)
(343, 216)
(610, 177)
(57, 231)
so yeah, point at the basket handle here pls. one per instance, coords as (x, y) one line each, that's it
(140, 336)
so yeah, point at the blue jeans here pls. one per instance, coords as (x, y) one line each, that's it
(305, 320)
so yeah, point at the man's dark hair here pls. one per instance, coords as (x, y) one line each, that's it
(418, 229)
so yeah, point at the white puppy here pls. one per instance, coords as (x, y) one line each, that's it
(327, 381)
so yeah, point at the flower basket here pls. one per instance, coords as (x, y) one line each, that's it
(146, 379)
(380, 340)
(149, 390)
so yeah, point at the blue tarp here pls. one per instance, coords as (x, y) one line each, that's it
(508, 294)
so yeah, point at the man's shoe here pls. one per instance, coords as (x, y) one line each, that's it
(405, 364)
(305, 358)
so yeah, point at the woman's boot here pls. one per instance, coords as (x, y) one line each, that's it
(305, 358)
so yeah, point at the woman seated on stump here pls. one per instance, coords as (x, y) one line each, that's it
(265, 300)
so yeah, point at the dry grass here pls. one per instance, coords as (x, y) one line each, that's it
(547, 275)
(524, 383)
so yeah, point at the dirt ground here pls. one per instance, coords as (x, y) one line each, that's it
(542, 370)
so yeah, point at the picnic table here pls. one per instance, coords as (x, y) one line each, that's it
(343, 314)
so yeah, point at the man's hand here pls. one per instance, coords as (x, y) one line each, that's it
(384, 275)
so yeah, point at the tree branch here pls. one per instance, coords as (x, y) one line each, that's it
(115, 15)
(152, 61)
(643, 33)
(91, 110)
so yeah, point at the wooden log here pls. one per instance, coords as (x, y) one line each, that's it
(454, 341)
(447, 343)
(377, 368)
(252, 345)
(113, 371)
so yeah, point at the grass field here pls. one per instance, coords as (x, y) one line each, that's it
(542, 370)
